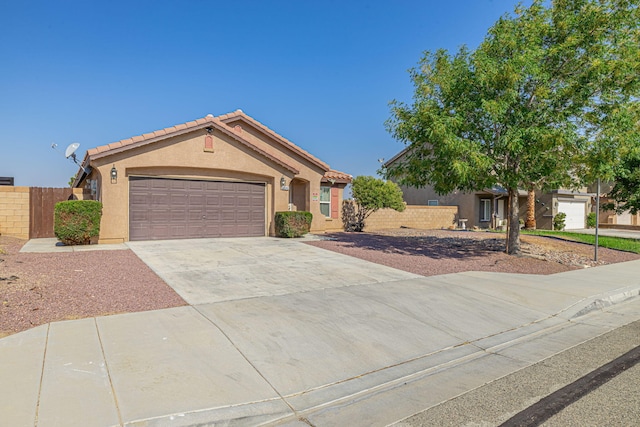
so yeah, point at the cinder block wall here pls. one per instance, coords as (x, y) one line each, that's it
(14, 211)
(426, 217)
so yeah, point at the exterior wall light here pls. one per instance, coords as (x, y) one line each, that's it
(114, 174)
(283, 184)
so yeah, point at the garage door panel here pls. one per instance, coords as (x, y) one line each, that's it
(243, 216)
(575, 214)
(160, 216)
(170, 209)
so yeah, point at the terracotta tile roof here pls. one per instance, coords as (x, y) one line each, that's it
(337, 176)
(150, 137)
(223, 124)
(240, 114)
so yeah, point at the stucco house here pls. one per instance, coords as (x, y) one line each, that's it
(212, 177)
(487, 208)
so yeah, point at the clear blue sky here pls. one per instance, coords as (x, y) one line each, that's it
(321, 73)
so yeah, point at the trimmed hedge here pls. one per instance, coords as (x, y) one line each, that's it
(559, 221)
(77, 221)
(293, 224)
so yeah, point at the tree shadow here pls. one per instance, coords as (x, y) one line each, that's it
(428, 246)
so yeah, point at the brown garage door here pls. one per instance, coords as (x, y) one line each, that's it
(183, 209)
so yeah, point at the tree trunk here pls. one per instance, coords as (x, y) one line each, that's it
(530, 223)
(513, 241)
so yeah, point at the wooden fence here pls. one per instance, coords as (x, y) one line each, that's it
(41, 206)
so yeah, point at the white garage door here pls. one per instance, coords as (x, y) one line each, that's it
(576, 214)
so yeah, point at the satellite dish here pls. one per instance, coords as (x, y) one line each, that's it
(71, 149)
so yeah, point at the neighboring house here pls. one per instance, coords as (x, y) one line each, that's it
(222, 176)
(621, 220)
(487, 208)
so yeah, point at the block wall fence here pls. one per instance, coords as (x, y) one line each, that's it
(426, 217)
(15, 217)
(14, 211)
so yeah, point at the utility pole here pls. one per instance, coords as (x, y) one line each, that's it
(595, 254)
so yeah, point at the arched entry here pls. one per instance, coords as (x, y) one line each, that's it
(299, 195)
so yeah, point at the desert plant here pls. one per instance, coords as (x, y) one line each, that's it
(558, 221)
(369, 195)
(77, 221)
(591, 220)
(293, 224)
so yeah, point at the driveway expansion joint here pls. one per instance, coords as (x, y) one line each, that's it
(106, 366)
(44, 358)
(244, 356)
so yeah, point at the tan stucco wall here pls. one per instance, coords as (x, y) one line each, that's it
(424, 217)
(184, 157)
(14, 211)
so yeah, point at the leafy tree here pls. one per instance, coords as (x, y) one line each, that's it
(515, 111)
(369, 195)
(626, 188)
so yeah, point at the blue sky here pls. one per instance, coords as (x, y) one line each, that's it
(321, 73)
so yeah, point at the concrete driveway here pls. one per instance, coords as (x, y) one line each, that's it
(214, 270)
(282, 333)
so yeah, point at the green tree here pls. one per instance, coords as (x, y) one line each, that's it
(514, 112)
(369, 195)
(625, 192)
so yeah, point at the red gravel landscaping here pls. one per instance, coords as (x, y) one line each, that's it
(434, 252)
(37, 288)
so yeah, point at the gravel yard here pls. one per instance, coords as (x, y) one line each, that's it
(433, 252)
(37, 288)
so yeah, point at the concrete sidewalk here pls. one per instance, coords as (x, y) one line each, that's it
(53, 245)
(366, 352)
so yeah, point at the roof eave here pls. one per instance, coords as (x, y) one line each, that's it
(239, 114)
(209, 122)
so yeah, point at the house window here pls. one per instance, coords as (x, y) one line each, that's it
(325, 201)
(432, 203)
(485, 209)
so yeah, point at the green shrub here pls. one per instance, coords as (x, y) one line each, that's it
(558, 221)
(591, 220)
(77, 221)
(293, 224)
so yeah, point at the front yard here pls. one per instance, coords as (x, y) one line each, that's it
(37, 288)
(434, 252)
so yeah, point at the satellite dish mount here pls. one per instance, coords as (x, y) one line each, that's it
(71, 152)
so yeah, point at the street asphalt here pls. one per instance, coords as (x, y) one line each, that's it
(282, 333)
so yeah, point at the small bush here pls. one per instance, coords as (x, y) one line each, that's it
(558, 221)
(352, 218)
(591, 220)
(293, 224)
(77, 221)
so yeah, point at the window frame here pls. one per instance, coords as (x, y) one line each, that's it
(484, 203)
(325, 202)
